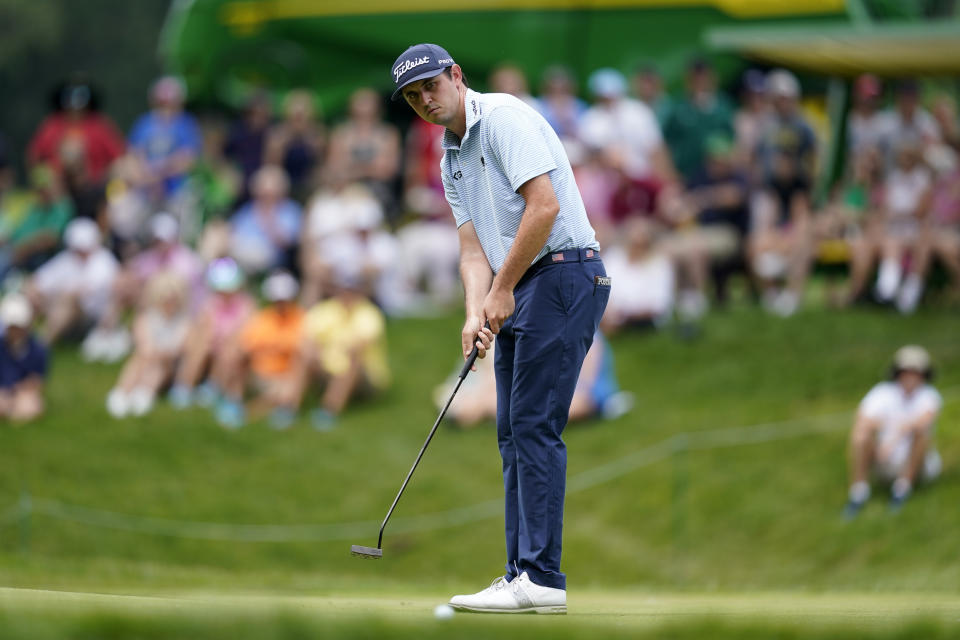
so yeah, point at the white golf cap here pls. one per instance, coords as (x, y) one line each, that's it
(224, 274)
(781, 82)
(82, 234)
(164, 227)
(912, 358)
(280, 287)
(15, 311)
(607, 83)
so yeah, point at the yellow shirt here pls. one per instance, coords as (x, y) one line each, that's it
(337, 329)
(273, 341)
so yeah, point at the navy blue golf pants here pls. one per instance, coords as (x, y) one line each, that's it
(540, 350)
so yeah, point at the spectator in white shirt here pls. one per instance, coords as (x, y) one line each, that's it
(893, 432)
(645, 281)
(72, 289)
(624, 129)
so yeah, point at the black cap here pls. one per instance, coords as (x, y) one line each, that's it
(418, 62)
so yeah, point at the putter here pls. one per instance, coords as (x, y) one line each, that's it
(377, 553)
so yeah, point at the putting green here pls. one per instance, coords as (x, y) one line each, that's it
(36, 613)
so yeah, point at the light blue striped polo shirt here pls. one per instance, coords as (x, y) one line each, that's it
(506, 144)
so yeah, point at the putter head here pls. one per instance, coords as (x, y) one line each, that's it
(366, 552)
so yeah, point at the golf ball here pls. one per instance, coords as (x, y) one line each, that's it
(443, 612)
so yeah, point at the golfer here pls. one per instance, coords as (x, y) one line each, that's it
(531, 268)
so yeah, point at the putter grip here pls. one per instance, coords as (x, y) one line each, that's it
(471, 358)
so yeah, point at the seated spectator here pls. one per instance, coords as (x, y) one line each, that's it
(625, 130)
(366, 149)
(267, 357)
(559, 103)
(109, 341)
(893, 433)
(429, 244)
(644, 281)
(298, 142)
(159, 336)
(597, 392)
(865, 122)
(647, 85)
(703, 112)
(246, 140)
(212, 332)
(712, 219)
(127, 208)
(509, 78)
(345, 346)
(752, 118)
(72, 290)
(905, 206)
(216, 181)
(265, 231)
(165, 144)
(37, 236)
(78, 130)
(23, 362)
(906, 120)
(780, 244)
(361, 250)
(942, 235)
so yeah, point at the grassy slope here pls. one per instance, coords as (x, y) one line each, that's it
(762, 516)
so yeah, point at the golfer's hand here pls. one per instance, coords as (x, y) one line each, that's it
(475, 334)
(498, 306)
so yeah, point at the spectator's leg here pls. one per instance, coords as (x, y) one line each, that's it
(863, 253)
(124, 295)
(912, 289)
(342, 386)
(27, 402)
(946, 247)
(862, 449)
(918, 453)
(197, 354)
(891, 271)
(230, 370)
(62, 314)
(800, 250)
(6, 403)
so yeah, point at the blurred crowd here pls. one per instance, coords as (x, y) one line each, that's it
(250, 264)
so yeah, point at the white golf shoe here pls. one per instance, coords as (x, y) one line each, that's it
(520, 595)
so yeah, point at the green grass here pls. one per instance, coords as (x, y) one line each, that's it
(753, 518)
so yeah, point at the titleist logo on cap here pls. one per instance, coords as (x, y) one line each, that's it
(406, 65)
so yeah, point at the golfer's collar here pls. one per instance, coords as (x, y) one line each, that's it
(473, 106)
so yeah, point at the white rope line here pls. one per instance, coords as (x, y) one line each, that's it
(686, 441)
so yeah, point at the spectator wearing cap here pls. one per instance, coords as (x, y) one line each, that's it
(37, 237)
(213, 331)
(267, 357)
(906, 120)
(865, 122)
(892, 436)
(366, 149)
(264, 232)
(701, 113)
(109, 341)
(624, 131)
(361, 250)
(246, 140)
(165, 142)
(72, 290)
(780, 244)
(76, 131)
(345, 344)
(559, 104)
(298, 142)
(159, 335)
(23, 362)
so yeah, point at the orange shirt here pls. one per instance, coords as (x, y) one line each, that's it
(272, 340)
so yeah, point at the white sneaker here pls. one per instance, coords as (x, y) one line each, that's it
(118, 403)
(518, 596)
